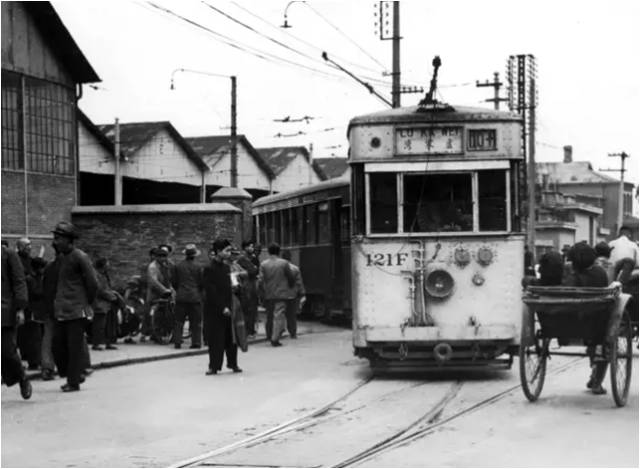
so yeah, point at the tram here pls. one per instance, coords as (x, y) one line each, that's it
(313, 224)
(437, 242)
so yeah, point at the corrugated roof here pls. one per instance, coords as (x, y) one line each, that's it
(278, 158)
(135, 135)
(576, 172)
(211, 149)
(331, 167)
(61, 42)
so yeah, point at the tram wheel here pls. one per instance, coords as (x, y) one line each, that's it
(533, 363)
(621, 357)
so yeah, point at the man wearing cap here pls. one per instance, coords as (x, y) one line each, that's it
(75, 291)
(250, 287)
(187, 281)
(14, 299)
(159, 292)
(29, 334)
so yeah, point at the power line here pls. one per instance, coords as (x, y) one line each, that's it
(344, 35)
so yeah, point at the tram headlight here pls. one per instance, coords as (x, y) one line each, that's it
(439, 283)
(485, 256)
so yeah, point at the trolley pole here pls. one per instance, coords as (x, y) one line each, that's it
(118, 172)
(395, 92)
(234, 135)
(623, 156)
(531, 228)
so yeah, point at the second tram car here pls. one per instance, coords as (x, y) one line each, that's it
(437, 246)
(313, 223)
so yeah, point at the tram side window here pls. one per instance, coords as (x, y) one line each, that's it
(270, 238)
(262, 229)
(277, 224)
(492, 195)
(310, 231)
(324, 228)
(297, 234)
(286, 227)
(438, 202)
(383, 197)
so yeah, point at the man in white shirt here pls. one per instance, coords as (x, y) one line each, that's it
(623, 247)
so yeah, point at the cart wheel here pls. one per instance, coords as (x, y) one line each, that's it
(622, 361)
(533, 364)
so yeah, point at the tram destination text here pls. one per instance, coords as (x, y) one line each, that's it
(428, 140)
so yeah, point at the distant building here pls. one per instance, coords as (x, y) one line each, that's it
(579, 179)
(254, 174)
(291, 167)
(333, 168)
(156, 163)
(42, 73)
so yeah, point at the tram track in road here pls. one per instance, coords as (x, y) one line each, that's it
(350, 414)
(368, 393)
(405, 438)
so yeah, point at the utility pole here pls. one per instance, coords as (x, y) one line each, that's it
(395, 91)
(310, 163)
(623, 156)
(496, 84)
(531, 226)
(234, 136)
(118, 174)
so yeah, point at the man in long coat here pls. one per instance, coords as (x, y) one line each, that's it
(217, 309)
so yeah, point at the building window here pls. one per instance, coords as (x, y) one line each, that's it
(11, 122)
(49, 125)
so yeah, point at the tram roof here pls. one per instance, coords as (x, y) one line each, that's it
(325, 185)
(439, 113)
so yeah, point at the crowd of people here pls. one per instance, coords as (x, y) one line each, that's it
(52, 311)
(585, 266)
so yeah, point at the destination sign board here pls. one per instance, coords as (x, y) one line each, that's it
(428, 140)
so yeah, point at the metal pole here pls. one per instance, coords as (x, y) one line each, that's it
(531, 235)
(234, 136)
(118, 176)
(623, 156)
(395, 92)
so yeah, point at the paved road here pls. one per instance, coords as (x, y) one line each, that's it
(158, 413)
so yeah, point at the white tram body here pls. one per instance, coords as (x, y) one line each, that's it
(437, 245)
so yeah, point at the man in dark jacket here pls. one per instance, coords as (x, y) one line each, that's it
(29, 333)
(14, 300)
(187, 281)
(217, 308)
(76, 290)
(104, 329)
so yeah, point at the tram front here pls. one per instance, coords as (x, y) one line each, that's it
(437, 244)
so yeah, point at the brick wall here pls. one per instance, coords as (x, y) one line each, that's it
(50, 199)
(125, 234)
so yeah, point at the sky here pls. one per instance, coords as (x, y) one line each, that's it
(586, 51)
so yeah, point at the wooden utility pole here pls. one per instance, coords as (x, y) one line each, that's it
(531, 225)
(118, 174)
(623, 156)
(496, 84)
(234, 136)
(395, 92)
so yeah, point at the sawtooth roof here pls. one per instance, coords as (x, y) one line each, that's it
(211, 149)
(331, 167)
(61, 42)
(135, 135)
(576, 172)
(278, 158)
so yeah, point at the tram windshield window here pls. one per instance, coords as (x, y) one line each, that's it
(384, 202)
(438, 202)
(492, 195)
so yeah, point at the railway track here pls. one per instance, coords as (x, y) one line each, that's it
(377, 409)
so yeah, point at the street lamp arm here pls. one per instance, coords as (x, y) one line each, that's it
(286, 24)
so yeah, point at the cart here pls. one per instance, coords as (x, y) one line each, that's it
(592, 317)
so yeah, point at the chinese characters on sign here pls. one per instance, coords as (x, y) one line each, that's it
(432, 140)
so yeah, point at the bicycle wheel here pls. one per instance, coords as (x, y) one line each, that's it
(533, 362)
(621, 357)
